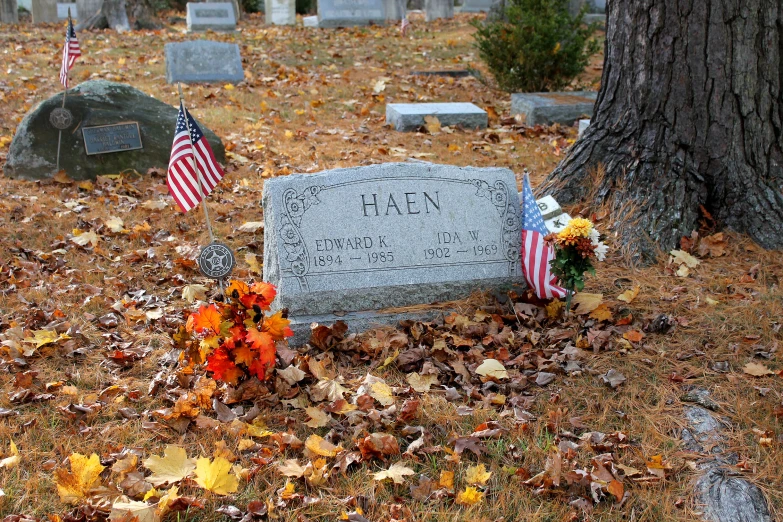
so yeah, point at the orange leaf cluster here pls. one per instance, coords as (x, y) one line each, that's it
(240, 337)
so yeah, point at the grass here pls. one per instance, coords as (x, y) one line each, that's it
(275, 124)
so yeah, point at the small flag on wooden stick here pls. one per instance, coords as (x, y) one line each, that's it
(71, 51)
(188, 184)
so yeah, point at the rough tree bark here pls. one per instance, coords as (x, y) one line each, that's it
(689, 115)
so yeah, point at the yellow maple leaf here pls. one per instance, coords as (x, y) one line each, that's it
(601, 313)
(172, 467)
(477, 475)
(72, 486)
(44, 337)
(470, 497)
(629, 295)
(446, 479)
(166, 500)
(321, 447)
(215, 476)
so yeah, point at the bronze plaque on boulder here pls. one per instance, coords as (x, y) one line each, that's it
(118, 137)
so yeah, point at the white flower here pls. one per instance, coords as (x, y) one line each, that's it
(594, 234)
(600, 250)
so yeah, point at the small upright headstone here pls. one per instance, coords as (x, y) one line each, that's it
(280, 12)
(410, 116)
(62, 11)
(395, 10)
(348, 13)
(44, 11)
(87, 8)
(9, 12)
(553, 107)
(310, 21)
(218, 16)
(203, 61)
(477, 6)
(349, 243)
(435, 9)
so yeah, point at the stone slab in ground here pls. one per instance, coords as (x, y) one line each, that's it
(410, 116)
(62, 11)
(218, 16)
(280, 12)
(477, 6)
(367, 239)
(553, 107)
(347, 13)
(44, 11)
(33, 151)
(310, 21)
(453, 73)
(203, 61)
(9, 12)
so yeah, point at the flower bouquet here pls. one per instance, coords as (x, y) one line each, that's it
(575, 248)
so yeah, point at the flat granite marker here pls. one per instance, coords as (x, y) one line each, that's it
(347, 13)
(280, 12)
(203, 61)
(218, 16)
(477, 6)
(553, 107)
(345, 244)
(410, 116)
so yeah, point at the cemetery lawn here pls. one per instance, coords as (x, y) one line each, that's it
(101, 270)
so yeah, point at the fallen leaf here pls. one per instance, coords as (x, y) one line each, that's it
(85, 471)
(133, 510)
(714, 245)
(432, 124)
(251, 226)
(396, 472)
(629, 295)
(86, 238)
(192, 293)
(613, 378)
(584, 303)
(216, 476)
(321, 447)
(477, 475)
(115, 224)
(318, 419)
(684, 258)
(470, 497)
(291, 468)
(633, 335)
(13, 460)
(172, 467)
(492, 368)
(421, 383)
(757, 369)
(615, 487)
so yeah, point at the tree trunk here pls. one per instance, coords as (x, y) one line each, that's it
(688, 121)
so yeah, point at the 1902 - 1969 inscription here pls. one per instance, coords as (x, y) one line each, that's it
(412, 225)
(118, 137)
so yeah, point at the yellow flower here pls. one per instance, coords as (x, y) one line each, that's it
(577, 227)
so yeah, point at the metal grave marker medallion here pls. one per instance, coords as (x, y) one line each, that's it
(119, 137)
(216, 261)
(61, 118)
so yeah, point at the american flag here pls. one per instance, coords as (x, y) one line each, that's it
(181, 179)
(71, 51)
(404, 25)
(537, 253)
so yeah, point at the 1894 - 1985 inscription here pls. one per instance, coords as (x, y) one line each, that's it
(389, 235)
(119, 137)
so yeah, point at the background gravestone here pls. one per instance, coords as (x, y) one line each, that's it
(88, 8)
(477, 6)
(347, 13)
(394, 9)
(280, 12)
(410, 116)
(203, 61)
(44, 11)
(435, 9)
(9, 12)
(62, 11)
(33, 151)
(553, 107)
(217, 16)
(363, 239)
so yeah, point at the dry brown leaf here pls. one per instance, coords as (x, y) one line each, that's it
(757, 369)
(629, 295)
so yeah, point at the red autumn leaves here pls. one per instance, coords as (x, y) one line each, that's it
(237, 338)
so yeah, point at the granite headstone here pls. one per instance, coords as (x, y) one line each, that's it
(435, 9)
(217, 16)
(347, 13)
(44, 11)
(280, 12)
(477, 6)
(62, 11)
(356, 241)
(9, 12)
(203, 61)
(410, 116)
(87, 8)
